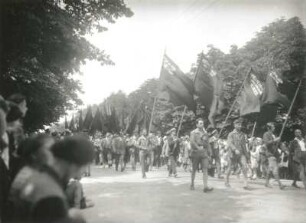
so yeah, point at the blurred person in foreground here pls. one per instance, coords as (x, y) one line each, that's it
(37, 194)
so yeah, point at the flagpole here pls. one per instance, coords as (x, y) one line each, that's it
(253, 130)
(290, 108)
(181, 121)
(233, 105)
(153, 109)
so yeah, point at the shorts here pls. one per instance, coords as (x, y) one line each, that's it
(197, 160)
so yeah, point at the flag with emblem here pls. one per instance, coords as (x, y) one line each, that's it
(175, 86)
(249, 100)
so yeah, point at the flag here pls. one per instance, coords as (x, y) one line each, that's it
(217, 103)
(114, 122)
(271, 94)
(80, 125)
(130, 128)
(66, 123)
(203, 86)
(249, 100)
(88, 119)
(97, 124)
(175, 86)
(72, 124)
(208, 86)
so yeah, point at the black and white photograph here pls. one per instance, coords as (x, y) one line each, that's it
(152, 111)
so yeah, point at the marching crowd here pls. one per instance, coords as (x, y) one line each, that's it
(40, 173)
(252, 157)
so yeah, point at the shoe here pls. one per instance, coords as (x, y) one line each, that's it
(227, 185)
(191, 187)
(175, 175)
(294, 185)
(268, 185)
(144, 176)
(282, 187)
(220, 177)
(208, 189)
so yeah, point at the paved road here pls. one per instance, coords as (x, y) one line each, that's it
(126, 197)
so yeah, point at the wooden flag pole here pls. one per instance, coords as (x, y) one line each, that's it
(153, 109)
(233, 105)
(181, 121)
(253, 130)
(290, 108)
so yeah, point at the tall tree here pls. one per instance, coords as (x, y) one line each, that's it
(43, 44)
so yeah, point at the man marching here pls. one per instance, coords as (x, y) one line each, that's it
(200, 150)
(271, 143)
(298, 148)
(142, 145)
(237, 142)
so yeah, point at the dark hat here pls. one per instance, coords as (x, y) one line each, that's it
(74, 149)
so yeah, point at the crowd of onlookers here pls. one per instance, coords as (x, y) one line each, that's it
(40, 173)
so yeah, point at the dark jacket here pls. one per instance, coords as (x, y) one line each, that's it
(271, 145)
(174, 148)
(295, 151)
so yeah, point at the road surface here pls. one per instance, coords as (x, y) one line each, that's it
(126, 197)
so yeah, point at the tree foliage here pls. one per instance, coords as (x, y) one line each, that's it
(43, 44)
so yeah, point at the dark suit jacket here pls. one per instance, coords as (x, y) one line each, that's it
(296, 151)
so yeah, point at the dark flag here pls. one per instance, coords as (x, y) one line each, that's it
(271, 94)
(203, 86)
(88, 119)
(114, 121)
(80, 125)
(217, 104)
(134, 119)
(175, 86)
(66, 123)
(208, 87)
(97, 124)
(72, 124)
(249, 100)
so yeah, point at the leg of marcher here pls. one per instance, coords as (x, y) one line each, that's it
(142, 163)
(228, 173)
(195, 164)
(243, 165)
(276, 173)
(302, 174)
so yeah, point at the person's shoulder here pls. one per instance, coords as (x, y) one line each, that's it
(195, 131)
